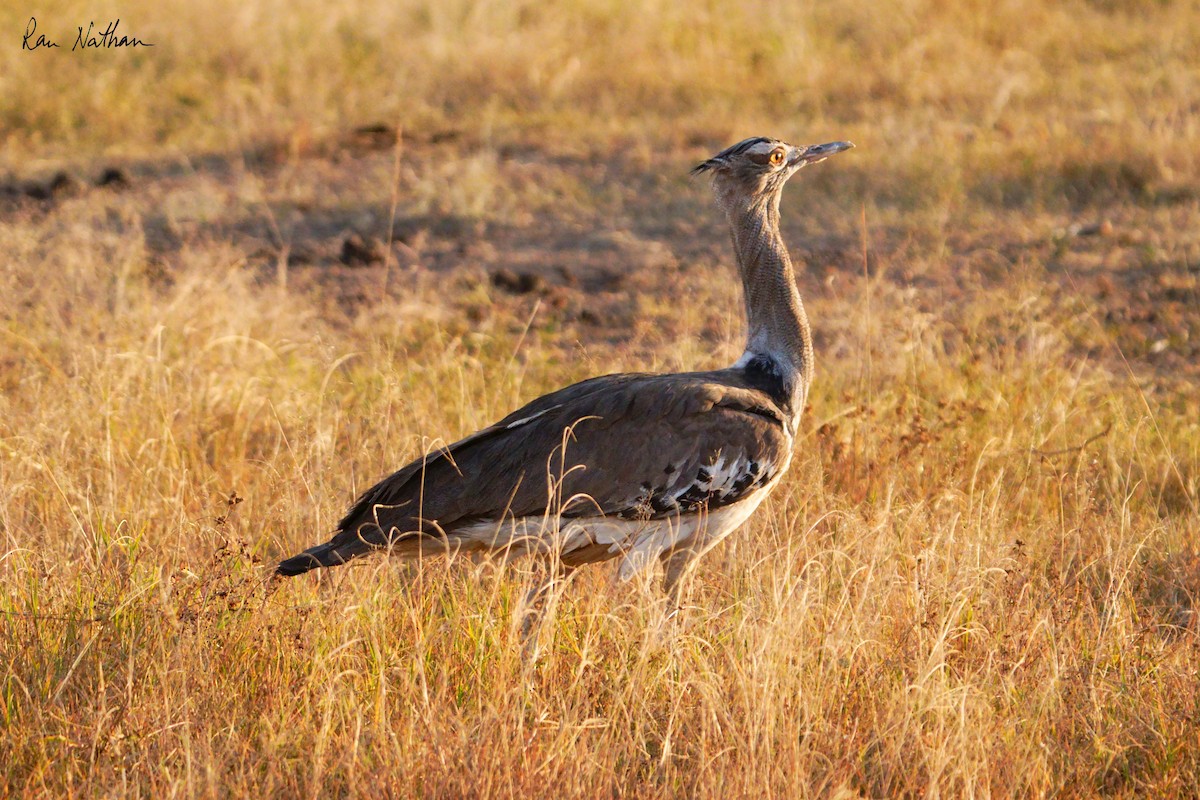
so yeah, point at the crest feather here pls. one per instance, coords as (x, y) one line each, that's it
(722, 158)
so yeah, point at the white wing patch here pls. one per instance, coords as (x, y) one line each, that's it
(721, 482)
(525, 420)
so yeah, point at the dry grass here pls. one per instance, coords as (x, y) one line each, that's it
(978, 579)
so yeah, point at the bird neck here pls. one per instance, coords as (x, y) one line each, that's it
(779, 334)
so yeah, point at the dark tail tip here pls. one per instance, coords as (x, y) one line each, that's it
(323, 555)
(297, 565)
(336, 552)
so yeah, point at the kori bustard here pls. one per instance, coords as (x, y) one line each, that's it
(639, 467)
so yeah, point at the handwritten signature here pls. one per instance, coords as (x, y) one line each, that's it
(100, 39)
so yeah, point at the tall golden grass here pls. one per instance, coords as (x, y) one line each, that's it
(978, 579)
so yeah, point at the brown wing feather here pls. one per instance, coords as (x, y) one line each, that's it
(627, 445)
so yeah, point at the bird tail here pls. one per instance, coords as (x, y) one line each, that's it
(335, 552)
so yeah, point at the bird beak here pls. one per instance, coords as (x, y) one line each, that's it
(817, 152)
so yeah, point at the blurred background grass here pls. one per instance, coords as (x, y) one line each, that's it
(1011, 102)
(979, 578)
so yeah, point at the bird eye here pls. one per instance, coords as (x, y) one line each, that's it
(776, 157)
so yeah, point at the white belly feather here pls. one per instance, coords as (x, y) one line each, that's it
(639, 543)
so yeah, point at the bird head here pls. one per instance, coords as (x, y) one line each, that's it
(757, 168)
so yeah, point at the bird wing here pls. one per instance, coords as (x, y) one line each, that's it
(632, 446)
